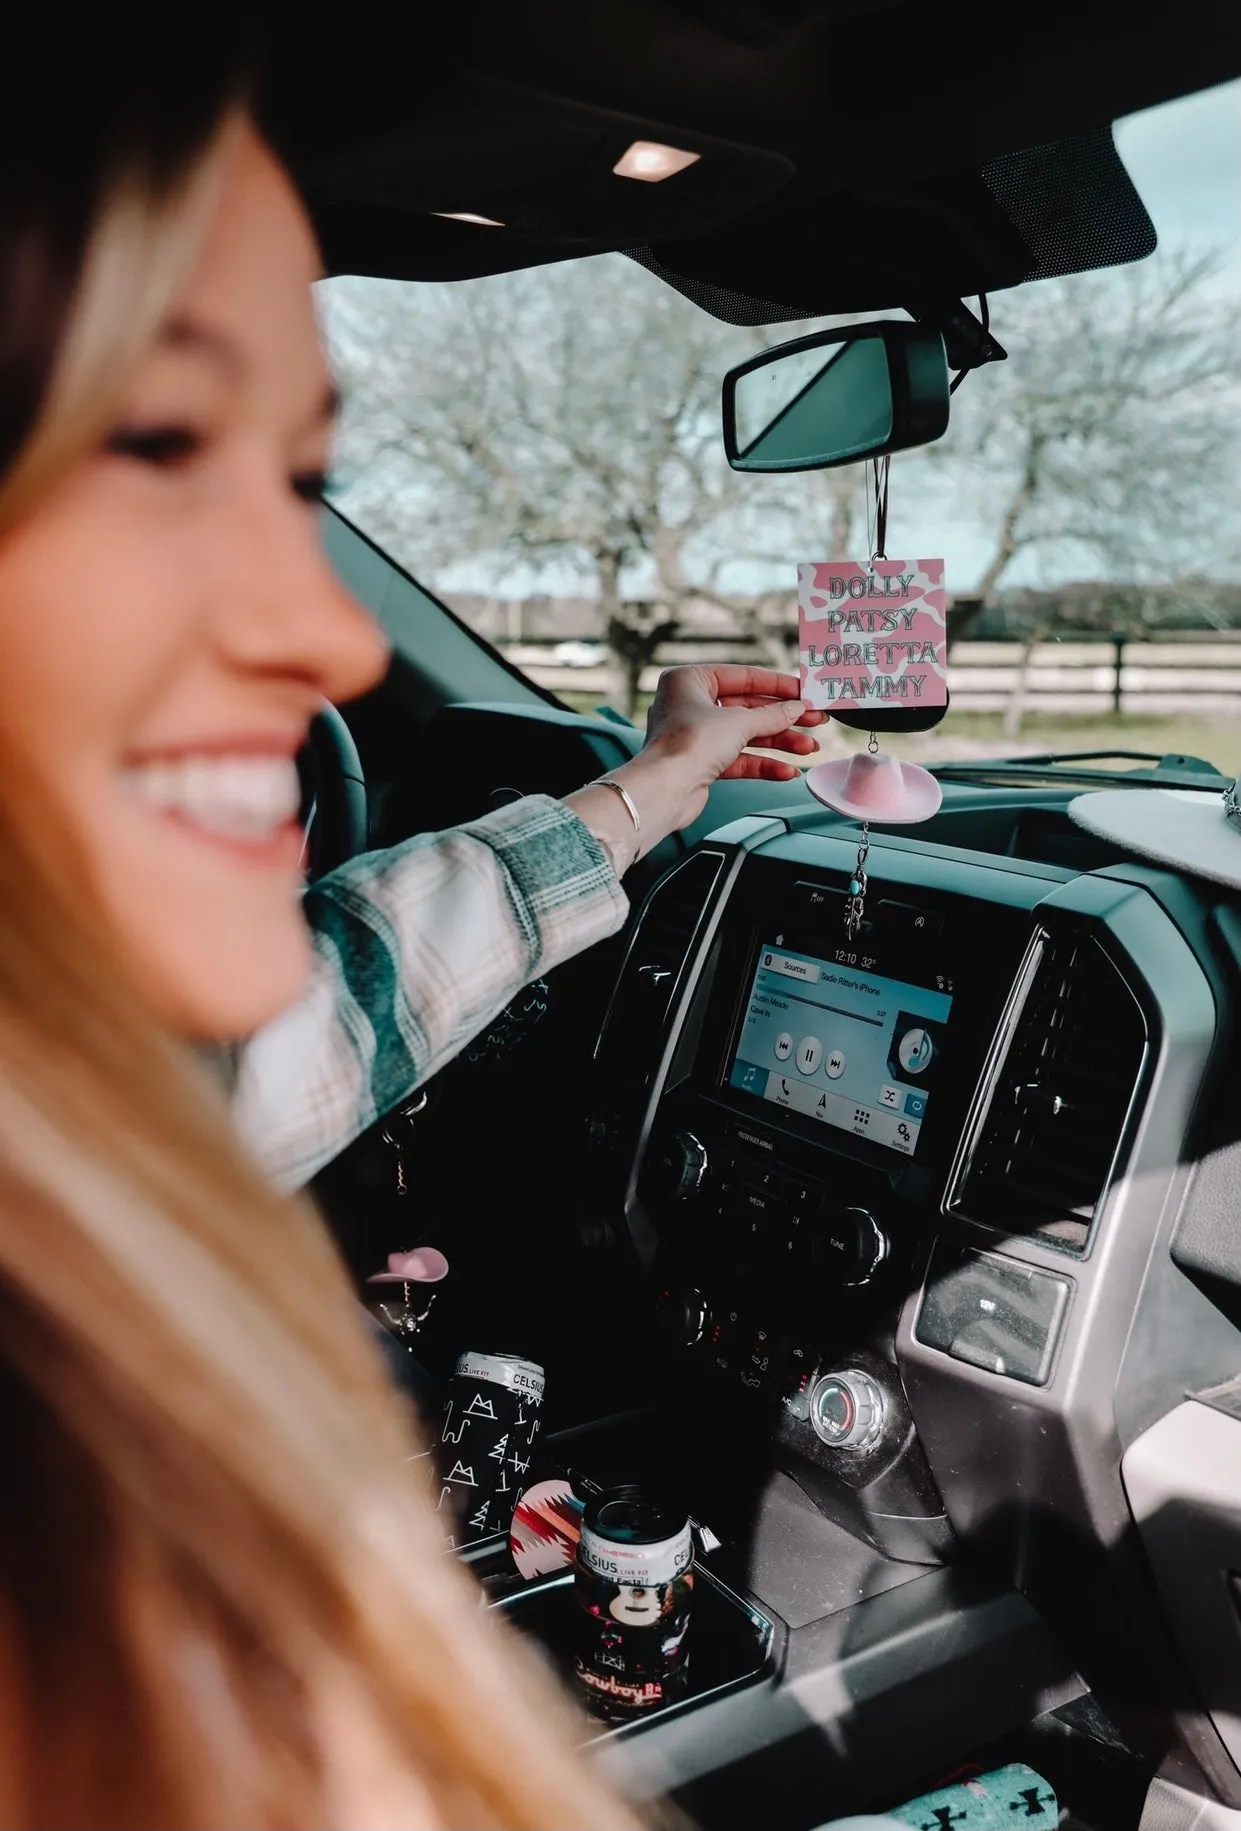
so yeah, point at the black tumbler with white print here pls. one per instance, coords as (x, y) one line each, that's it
(493, 1407)
(633, 1586)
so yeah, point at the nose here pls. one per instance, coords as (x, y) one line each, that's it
(288, 615)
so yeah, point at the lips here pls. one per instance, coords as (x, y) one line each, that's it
(248, 800)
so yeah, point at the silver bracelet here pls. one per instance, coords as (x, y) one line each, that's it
(626, 797)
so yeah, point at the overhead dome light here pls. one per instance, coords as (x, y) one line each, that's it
(468, 216)
(652, 163)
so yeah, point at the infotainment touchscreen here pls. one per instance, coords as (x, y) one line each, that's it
(844, 1047)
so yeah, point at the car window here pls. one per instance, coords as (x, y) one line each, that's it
(544, 449)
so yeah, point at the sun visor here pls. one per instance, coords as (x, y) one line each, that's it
(1062, 208)
(1073, 204)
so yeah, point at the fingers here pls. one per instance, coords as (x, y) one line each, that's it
(799, 742)
(735, 681)
(770, 719)
(767, 769)
(811, 716)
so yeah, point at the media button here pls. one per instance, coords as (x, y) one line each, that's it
(835, 1065)
(809, 1054)
(890, 1096)
(784, 1046)
(915, 1050)
(915, 1105)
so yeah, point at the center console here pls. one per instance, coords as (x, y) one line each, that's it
(797, 1148)
(904, 1205)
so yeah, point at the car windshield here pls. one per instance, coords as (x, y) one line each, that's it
(543, 449)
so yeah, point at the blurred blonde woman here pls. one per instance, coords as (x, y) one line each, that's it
(221, 1603)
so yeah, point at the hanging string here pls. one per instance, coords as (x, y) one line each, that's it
(877, 542)
(877, 514)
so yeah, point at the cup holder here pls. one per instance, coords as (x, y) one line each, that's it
(731, 1648)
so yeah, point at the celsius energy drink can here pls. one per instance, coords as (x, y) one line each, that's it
(633, 1585)
(493, 1407)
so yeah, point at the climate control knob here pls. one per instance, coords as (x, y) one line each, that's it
(846, 1410)
(680, 1166)
(683, 1316)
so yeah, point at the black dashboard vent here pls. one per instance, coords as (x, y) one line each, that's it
(1043, 1142)
(629, 1042)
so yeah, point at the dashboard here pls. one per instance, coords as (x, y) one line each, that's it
(919, 1209)
(963, 1403)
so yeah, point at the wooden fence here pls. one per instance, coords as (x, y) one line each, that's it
(1193, 673)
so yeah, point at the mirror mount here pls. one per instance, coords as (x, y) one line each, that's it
(968, 342)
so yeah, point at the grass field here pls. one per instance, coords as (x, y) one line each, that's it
(980, 734)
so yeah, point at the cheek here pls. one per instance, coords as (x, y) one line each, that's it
(101, 632)
(218, 944)
(95, 629)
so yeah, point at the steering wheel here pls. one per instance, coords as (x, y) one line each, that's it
(337, 829)
(337, 825)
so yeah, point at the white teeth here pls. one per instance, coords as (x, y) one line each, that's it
(237, 797)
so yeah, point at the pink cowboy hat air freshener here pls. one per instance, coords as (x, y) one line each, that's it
(875, 786)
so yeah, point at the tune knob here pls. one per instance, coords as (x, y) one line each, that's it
(850, 1244)
(680, 1164)
(846, 1410)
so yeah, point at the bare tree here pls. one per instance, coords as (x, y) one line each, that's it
(1109, 434)
(569, 417)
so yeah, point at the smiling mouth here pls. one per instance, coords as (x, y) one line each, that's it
(248, 801)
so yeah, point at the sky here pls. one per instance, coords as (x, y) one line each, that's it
(1185, 160)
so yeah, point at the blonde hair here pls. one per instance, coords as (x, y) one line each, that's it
(223, 1602)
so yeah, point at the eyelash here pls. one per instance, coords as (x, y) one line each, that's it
(168, 447)
(162, 446)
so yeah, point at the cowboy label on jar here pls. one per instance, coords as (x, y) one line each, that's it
(633, 1589)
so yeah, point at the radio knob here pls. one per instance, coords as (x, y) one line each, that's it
(850, 1244)
(681, 1166)
(846, 1410)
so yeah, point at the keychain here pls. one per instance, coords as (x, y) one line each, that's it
(398, 1133)
(403, 1311)
(856, 906)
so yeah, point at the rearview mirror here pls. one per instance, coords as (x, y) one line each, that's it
(846, 394)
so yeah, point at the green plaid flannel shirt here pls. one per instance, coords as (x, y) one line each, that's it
(416, 949)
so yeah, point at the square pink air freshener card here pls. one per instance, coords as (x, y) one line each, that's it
(872, 635)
